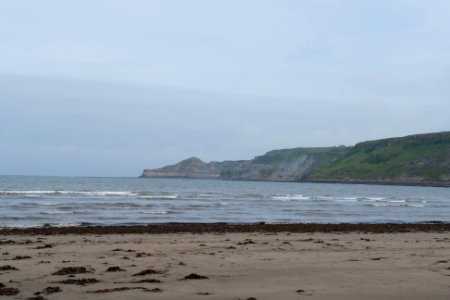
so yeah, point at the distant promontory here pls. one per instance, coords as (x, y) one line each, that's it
(421, 159)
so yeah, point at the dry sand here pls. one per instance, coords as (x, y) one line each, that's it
(351, 265)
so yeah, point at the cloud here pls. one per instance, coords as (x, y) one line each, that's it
(151, 82)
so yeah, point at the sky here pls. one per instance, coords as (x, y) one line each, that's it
(110, 87)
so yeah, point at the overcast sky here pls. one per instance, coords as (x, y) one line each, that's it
(109, 87)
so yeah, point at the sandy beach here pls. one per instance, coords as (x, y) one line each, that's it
(226, 265)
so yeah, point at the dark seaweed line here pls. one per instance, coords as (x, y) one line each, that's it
(228, 228)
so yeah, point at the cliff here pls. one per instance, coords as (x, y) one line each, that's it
(188, 168)
(416, 159)
(422, 159)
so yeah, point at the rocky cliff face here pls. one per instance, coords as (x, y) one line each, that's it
(189, 168)
(277, 165)
(293, 169)
(422, 159)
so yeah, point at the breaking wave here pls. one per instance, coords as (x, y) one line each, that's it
(290, 197)
(159, 197)
(72, 193)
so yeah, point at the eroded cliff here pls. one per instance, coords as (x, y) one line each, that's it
(422, 159)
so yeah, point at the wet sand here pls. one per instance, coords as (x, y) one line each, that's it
(96, 263)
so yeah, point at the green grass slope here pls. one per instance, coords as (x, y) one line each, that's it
(412, 159)
(324, 154)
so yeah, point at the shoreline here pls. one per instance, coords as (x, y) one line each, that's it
(200, 228)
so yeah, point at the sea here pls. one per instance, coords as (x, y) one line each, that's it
(29, 201)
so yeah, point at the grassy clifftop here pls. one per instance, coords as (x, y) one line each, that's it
(411, 159)
(326, 154)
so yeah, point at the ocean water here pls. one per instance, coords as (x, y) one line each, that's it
(66, 201)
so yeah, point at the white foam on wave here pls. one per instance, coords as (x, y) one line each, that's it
(290, 197)
(49, 203)
(97, 193)
(396, 204)
(159, 197)
(416, 205)
(382, 200)
(56, 212)
(336, 199)
(154, 212)
(374, 198)
(346, 200)
(324, 198)
(26, 192)
(56, 192)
